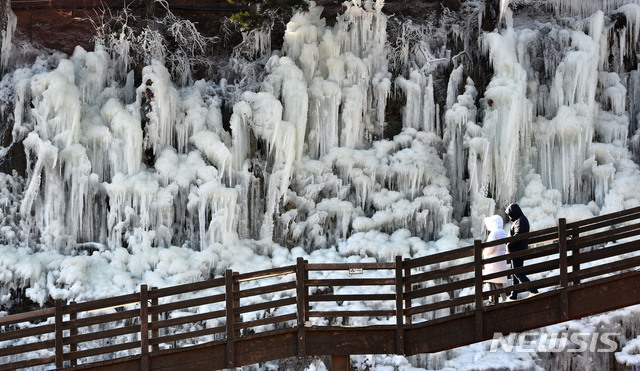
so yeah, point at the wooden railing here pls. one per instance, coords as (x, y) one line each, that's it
(404, 294)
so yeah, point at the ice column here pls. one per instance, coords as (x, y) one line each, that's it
(457, 118)
(324, 102)
(57, 105)
(412, 89)
(218, 204)
(287, 83)
(381, 90)
(126, 140)
(6, 33)
(507, 121)
(92, 72)
(163, 107)
(264, 117)
(420, 111)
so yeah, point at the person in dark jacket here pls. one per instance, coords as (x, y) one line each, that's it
(519, 225)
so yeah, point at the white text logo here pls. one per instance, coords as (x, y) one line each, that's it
(536, 341)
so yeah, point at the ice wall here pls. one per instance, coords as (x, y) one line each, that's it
(107, 172)
(327, 93)
(117, 164)
(304, 160)
(583, 9)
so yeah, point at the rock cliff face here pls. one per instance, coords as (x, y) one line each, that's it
(63, 24)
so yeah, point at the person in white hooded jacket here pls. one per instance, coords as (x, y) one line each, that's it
(494, 225)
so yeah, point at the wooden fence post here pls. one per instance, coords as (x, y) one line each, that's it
(562, 257)
(399, 308)
(228, 277)
(236, 304)
(73, 331)
(407, 288)
(477, 269)
(155, 333)
(59, 334)
(301, 303)
(144, 327)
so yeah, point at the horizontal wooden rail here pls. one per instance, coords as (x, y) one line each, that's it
(25, 332)
(187, 335)
(189, 303)
(439, 273)
(446, 256)
(91, 336)
(29, 363)
(351, 297)
(604, 221)
(101, 319)
(347, 266)
(36, 315)
(268, 273)
(102, 304)
(230, 310)
(185, 288)
(193, 318)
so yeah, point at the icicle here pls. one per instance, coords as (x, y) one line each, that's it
(309, 61)
(412, 89)
(324, 101)
(57, 105)
(98, 145)
(545, 134)
(429, 112)
(296, 104)
(91, 71)
(47, 157)
(126, 142)
(239, 122)
(457, 119)
(584, 9)
(352, 128)
(6, 36)
(573, 134)
(381, 90)
(302, 29)
(210, 144)
(507, 121)
(216, 213)
(162, 111)
(77, 169)
(455, 79)
(614, 94)
(22, 112)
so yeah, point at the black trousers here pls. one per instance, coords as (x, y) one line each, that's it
(520, 278)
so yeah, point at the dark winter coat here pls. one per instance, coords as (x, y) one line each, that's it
(520, 225)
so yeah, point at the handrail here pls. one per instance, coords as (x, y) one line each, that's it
(237, 306)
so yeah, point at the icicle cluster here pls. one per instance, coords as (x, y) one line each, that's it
(104, 171)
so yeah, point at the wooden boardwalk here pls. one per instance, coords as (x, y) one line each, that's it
(427, 304)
